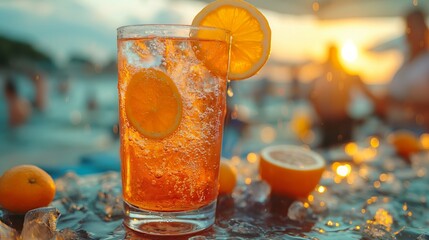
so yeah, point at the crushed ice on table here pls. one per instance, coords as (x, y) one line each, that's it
(70, 192)
(420, 163)
(109, 197)
(374, 197)
(244, 228)
(98, 200)
(377, 231)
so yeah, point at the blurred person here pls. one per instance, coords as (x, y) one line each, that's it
(295, 87)
(91, 101)
(408, 91)
(261, 92)
(331, 96)
(63, 86)
(19, 108)
(40, 91)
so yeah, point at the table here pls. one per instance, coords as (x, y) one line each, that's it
(376, 195)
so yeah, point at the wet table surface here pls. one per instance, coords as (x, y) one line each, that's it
(378, 196)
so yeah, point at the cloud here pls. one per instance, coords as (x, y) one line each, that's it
(64, 27)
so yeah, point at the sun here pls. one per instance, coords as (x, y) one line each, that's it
(349, 52)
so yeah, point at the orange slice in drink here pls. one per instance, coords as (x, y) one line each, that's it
(153, 104)
(291, 171)
(250, 31)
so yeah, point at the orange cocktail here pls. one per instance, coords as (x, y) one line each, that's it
(172, 103)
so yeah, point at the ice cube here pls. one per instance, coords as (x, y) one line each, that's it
(7, 232)
(142, 54)
(40, 223)
(298, 212)
(257, 192)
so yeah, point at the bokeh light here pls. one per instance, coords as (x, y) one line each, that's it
(349, 52)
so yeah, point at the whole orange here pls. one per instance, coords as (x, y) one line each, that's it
(227, 178)
(405, 143)
(26, 187)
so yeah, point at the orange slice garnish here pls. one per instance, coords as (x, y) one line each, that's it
(153, 104)
(250, 31)
(291, 170)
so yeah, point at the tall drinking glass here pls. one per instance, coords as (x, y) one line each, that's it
(172, 104)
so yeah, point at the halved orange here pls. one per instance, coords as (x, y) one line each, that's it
(291, 171)
(153, 104)
(250, 31)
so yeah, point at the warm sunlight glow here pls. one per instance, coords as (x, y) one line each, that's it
(268, 134)
(316, 6)
(344, 170)
(321, 189)
(252, 157)
(248, 181)
(349, 52)
(351, 148)
(374, 142)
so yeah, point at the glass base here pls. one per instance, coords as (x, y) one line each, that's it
(169, 223)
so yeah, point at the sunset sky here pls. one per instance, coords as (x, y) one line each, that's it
(89, 28)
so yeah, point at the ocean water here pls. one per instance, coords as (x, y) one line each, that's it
(68, 128)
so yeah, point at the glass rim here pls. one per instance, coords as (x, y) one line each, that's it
(169, 26)
(164, 27)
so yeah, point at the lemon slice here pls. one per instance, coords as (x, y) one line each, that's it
(153, 104)
(250, 31)
(291, 170)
